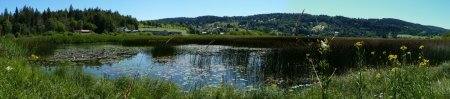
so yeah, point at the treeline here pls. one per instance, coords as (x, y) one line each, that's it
(30, 21)
(310, 25)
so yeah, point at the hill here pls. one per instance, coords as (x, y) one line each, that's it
(284, 23)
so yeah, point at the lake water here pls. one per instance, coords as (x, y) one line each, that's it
(193, 66)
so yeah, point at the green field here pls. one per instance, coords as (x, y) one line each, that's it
(183, 32)
(165, 27)
(407, 36)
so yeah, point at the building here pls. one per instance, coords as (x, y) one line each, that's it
(83, 31)
(124, 29)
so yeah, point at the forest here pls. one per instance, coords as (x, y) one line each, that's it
(31, 21)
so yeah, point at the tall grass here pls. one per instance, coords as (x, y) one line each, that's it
(131, 39)
(20, 79)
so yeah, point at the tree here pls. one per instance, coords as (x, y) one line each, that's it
(446, 35)
(5, 13)
(7, 26)
(71, 11)
(89, 26)
(74, 25)
(55, 25)
(16, 29)
(1, 30)
(16, 14)
(104, 24)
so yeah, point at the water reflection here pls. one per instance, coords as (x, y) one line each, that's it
(193, 66)
(162, 54)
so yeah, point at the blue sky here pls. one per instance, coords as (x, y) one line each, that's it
(427, 12)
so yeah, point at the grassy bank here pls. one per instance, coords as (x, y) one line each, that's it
(248, 41)
(18, 79)
(136, 39)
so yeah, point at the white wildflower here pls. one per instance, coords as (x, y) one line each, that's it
(324, 44)
(9, 68)
(318, 28)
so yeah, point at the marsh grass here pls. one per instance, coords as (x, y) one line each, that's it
(19, 79)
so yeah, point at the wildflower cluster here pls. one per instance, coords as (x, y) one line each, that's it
(34, 57)
(378, 76)
(359, 44)
(318, 28)
(403, 48)
(421, 47)
(324, 46)
(424, 63)
(9, 68)
(395, 69)
(392, 57)
(274, 86)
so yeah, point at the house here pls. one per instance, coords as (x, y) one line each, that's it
(83, 31)
(124, 29)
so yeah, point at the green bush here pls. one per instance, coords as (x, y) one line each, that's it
(446, 35)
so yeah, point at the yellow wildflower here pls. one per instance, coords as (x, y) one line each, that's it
(421, 47)
(424, 63)
(395, 69)
(398, 63)
(274, 86)
(378, 76)
(425, 60)
(403, 47)
(373, 52)
(420, 57)
(384, 52)
(34, 57)
(392, 57)
(359, 44)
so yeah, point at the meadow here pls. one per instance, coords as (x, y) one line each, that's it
(398, 77)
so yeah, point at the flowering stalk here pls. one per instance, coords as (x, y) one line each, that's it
(360, 55)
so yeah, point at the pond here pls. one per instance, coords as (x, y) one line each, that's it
(193, 65)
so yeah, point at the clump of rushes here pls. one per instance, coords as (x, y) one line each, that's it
(34, 57)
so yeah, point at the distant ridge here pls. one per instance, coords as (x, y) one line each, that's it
(284, 23)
